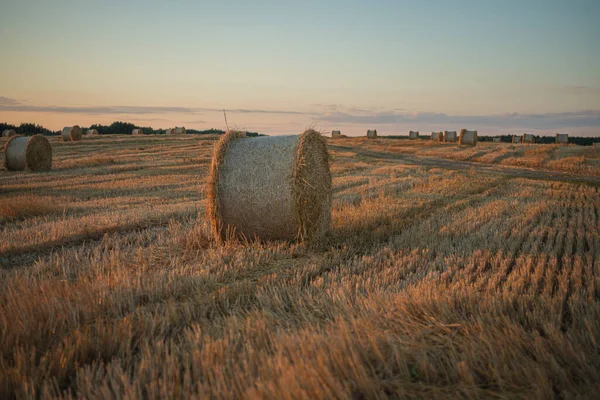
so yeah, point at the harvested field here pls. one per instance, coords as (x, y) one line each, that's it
(445, 275)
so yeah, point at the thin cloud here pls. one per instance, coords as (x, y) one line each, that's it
(7, 101)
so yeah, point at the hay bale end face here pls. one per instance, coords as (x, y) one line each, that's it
(33, 153)
(72, 133)
(9, 133)
(336, 134)
(91, 132)
(413, 134)
(467, 138)
(437, 136)
(372, 134)
(137, 131)
(562, 138)
(528, 138)
(270, 188)
(450, 136)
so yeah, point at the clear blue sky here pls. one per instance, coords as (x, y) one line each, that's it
(336, 63)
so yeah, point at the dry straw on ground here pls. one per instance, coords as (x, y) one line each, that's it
(336, 134)
(372, 134)
(528, 138)
(33, 153)
(9, 133)
(467, 137)
(450, 136)
(413, 134)
(91, 132)
(437, 136)
(71, 133)
(562, 138)
(270, 188)
(137, 131)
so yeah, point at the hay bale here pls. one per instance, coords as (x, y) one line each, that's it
(72, 133)
(468, 138)
(450, 136)
(270, 188)
(9, 133)
(137, 131)
(33, 153)
(496, 140)
(437, 136)
(372, 134)
(336, 134)
(562, 138)
(180, 130)
(527, 138)
(516, 139)
(91, 132)
(413, 134)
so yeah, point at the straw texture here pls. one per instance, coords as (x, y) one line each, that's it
(33, 153)
(372, 134)
(71, 133)
(450, 136)
(468, 138)
(562, 138)
(270, 188)
(413, 134)
(9, 133)
(437, 136)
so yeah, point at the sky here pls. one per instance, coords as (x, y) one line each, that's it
(278, 67)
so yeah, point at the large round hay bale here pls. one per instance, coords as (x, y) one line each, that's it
(137, 131)
(270, 188)
(71, 133)
(496, 140)
(91, 132)
(170, 131)
(180, 130)
(413, 134)
(33, 153)
(450, 136)
(336, 134)
(528, 138)
(516, 139)
(372, 134)
(9, 133)
(562, 138)
(437, 136)
(468, 138)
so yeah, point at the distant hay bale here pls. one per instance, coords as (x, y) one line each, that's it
(516, 139)
(72, 133)
(180, 130)
(450, 136)
(437, 136)
(270, 188)
(372, 134)
(413, 134)
(137, 131)
(496, 140)
(467, 138)
(336, 134)
(9, 133)
(90, 132)
(528, 138)
(33, 153)
(562, 138)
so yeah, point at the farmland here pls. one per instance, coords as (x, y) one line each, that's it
(438, 279)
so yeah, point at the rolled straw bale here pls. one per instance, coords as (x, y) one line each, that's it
(528, 138)
(450, 136)
(516, 139)
(33, 153)
(180, 130)
(372, 134)
(467, 137)
(336, 134)
(91, 132)
(562, 138)
(413, 134)
(137, 131)
(9, 133)
(437, 136)
(72, 133)
(270, 188)
(496, 140)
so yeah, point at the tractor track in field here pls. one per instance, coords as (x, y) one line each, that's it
(468, 165)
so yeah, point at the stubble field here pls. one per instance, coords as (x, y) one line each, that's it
(437, 280)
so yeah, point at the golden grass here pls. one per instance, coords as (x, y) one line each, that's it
(28, 206)
(433, 283)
